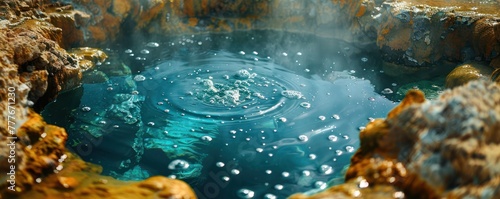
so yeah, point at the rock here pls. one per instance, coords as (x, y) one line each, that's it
(37, 150)
(42, 63)
(467, 72)
(446, 148)
(495, 76)
(78, 179)
(88, 57)
(33, 70)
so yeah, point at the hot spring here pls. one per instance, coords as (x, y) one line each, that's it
(259, 114)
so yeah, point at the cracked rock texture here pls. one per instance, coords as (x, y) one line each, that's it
(34, 68)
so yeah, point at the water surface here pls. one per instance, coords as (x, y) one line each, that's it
(248, 115)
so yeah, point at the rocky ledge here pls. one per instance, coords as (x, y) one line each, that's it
(34, 68)
(424, 149)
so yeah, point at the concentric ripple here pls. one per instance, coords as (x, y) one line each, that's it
(250, 120)
(223, 87)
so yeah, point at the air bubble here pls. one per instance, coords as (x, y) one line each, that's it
(206, 138)
(335, 116)
(305, 105)
(303, 138)
(153, 44)
(128, 51)
(320, 185)
(139, 78)
(219, 164)
(387, 91)
(292, 94)
(151, 123)
(338, 152)
(285, 174)
(326, 169)
(332, 138)
(321, 117)
(306, 173)
(86, 109)
(349, 149)
(284, 54)
(144, 51)
(278, 187)
(270, 196)
(242, 53)
(269, 171)
(235, 171)
(245, 193)
(364, 59)
(178, 164)
(312, 156)
(282, 119)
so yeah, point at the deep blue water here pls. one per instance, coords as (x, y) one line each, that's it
(248, 115)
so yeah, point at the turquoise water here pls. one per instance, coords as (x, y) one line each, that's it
(242, 115)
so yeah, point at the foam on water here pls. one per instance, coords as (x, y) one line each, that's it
(242, 124)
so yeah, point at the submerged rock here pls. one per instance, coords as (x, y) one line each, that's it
(431, 149)
(467, 72)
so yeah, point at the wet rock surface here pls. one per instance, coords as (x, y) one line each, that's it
(34, 70)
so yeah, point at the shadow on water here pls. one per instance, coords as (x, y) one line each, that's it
(247, 114)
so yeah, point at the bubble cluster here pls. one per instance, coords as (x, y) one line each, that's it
(292, 94)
